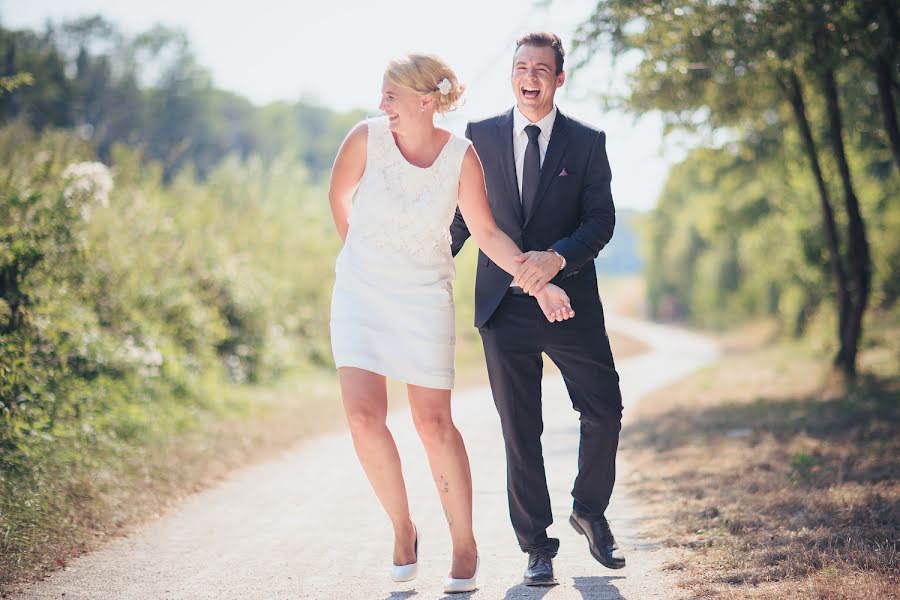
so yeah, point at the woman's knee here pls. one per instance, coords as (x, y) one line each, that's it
(365, 420)
(434, 427)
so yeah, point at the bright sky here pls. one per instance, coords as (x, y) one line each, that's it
(334, 52)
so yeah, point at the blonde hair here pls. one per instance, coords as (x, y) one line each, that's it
(423, 73)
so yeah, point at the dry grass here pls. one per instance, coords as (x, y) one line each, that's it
(624, 295)
(750, 336)
(777, 486)
(624, 346)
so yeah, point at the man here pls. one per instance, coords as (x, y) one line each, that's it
(548, 182)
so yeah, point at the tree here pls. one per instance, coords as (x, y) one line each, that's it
(728, 66)
(149, 91)
(871, 32)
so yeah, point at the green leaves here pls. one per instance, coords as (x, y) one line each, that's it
(746, 229)
(158, 295)
(10, 83)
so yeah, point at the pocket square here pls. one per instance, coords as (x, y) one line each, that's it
(563, 173)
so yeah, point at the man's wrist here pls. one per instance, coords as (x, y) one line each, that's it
(562, 259)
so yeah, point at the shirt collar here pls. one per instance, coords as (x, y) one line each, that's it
(520, 122)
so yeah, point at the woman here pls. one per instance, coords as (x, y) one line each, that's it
(392, 307)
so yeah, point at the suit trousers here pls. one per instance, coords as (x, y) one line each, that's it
(514, 338)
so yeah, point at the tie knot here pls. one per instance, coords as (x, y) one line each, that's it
(532, 131)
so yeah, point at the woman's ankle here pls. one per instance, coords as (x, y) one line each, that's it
(404, 528)
(467, 548)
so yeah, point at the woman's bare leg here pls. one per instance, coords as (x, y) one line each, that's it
(450, 468)
(365, 403)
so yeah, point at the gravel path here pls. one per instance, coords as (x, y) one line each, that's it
(307, 525)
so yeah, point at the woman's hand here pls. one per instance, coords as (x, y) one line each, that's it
(555, 303)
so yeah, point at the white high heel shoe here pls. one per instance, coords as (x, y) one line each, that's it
(410, 571)
(455, 586)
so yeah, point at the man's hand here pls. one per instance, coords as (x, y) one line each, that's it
(537, 268)
(555, 303)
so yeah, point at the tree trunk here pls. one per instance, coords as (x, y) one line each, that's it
(884, 79)
(881, 54)
(793, 89)
(860, 264)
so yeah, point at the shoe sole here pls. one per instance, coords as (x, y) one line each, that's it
(404, 578)
(465, 590)
(542, 583)
(599, 559)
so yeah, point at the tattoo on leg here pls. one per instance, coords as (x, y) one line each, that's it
(444, 485)
(449, 520)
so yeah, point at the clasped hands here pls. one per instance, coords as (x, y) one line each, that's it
(535, 271)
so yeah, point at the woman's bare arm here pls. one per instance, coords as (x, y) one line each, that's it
(346, 173)
(473, 204)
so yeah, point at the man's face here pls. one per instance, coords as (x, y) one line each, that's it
(534, 79)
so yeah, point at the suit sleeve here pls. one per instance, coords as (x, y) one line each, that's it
(598, 215)
(459, 231)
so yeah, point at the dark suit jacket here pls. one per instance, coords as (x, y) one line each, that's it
(573, 213)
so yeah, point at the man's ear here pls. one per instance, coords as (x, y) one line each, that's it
(560, 79)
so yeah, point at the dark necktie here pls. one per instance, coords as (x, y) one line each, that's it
(531, 169)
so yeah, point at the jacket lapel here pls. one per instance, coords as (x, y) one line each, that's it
(507, 162)
(559, 139)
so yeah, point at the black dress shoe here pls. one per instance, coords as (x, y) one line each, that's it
(601, 542)
(540, 569)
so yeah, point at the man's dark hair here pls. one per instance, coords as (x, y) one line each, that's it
(544, 39)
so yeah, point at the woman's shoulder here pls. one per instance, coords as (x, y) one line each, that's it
(459, 143)
(462, 152)
(361, 132)
(379, 123)
(370, 124)
(459, 139)
(366, 126)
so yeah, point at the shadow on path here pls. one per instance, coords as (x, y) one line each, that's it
(459, 596)
(401, 595)
(598, 588)
(590, 588)
(526, 592)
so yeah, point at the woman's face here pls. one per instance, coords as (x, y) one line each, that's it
(403, 106)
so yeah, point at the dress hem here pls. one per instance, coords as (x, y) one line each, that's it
(436, 383)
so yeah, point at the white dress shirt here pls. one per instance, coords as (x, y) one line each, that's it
(520, 142)
(520, 138)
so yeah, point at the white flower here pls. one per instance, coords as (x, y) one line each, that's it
(235, 368)
(148, 359)
(444, 86)
(88, 182)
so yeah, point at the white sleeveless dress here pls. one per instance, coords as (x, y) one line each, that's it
(392, 305)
